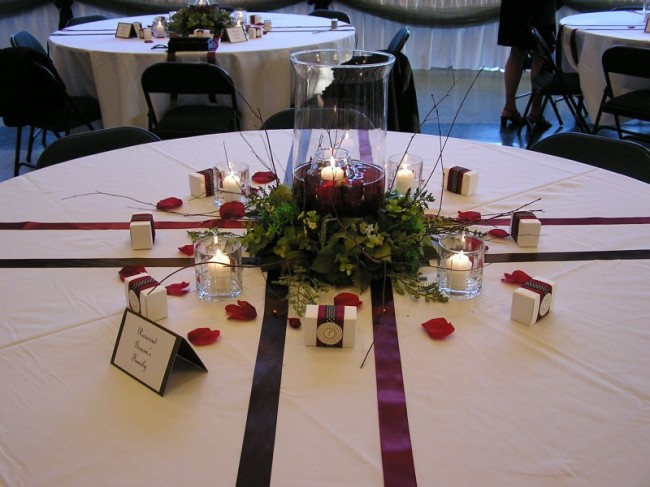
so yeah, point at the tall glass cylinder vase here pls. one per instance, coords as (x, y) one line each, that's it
(341, 105)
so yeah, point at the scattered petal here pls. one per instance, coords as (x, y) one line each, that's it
(170, 203)
(438, 328)
(232, 209)
(295, 322)
(203, 336)
(469, 216)
(498, 233)
(517, 277)
(130, 270)
(243, 311)
(347, 299)
(178, 289)
(187, 249)
(264, 177)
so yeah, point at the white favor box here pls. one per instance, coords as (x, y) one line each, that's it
(331, 332)
(202, 183)
(143, 232)
(256, 19)
(142, 298)
(466, 183)
(533, 300)
(525, 228)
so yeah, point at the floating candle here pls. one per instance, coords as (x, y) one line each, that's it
(332, 172)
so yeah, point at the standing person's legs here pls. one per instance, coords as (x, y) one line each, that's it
(512, 76)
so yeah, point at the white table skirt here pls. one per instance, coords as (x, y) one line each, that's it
(93, 62)
(496, 403)
(596, 32)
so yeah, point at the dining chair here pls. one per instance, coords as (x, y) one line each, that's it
(84, 144)
(331, 14)
(32, 94)
(399, 40)
(25, 39)
(220, 114)
(616, 155)
(84, 19)
(631, 62)
(554, 82)
(284, 119)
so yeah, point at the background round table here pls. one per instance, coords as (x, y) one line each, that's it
(92, 61)
(594, 33)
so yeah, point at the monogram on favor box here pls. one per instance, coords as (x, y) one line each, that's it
(330, 326)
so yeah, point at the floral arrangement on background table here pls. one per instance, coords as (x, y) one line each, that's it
(192, 17)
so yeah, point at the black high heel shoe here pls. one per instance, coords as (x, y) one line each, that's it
(537, 123)
(511, 118)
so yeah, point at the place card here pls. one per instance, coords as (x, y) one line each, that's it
(147, 351)
(236, 34)
(126, 30)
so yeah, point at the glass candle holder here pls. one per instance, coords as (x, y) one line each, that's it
(405, 173)
(231, 182)
(159, 27)
(461, 259)
(218, 267)
(340, 101)
(239, 17)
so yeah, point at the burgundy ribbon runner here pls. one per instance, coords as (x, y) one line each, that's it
(394, 435)
(159, 225)
(587, 220)
(256, 460)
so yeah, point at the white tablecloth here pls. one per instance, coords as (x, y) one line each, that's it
(564, 402)
(595, 33)
(94, 62)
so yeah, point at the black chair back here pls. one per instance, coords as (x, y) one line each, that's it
(399, 40)
(88, 143)
(616, 155)
(25, 39)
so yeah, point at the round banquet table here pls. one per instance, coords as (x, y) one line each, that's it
(593, 33)
(92, 61)
(497, 402)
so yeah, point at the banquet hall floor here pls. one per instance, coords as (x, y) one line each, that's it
(467, 106)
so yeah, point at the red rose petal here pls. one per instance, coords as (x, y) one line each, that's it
(469, 216)
(438, 328)
(169, 204)
(264, 177)
(130, 270)
(498, 233)
(243, 311)
(203, 336)
(178, 289)
(347, 299)
(187, 249)
(517, 277)
(295, 322)
(232, 209)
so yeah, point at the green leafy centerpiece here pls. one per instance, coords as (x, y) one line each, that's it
(186, 20)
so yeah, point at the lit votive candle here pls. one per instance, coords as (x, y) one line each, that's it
(404, 179)
(459, 266)
(231, 187)
(332, 172)
(219, 271)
